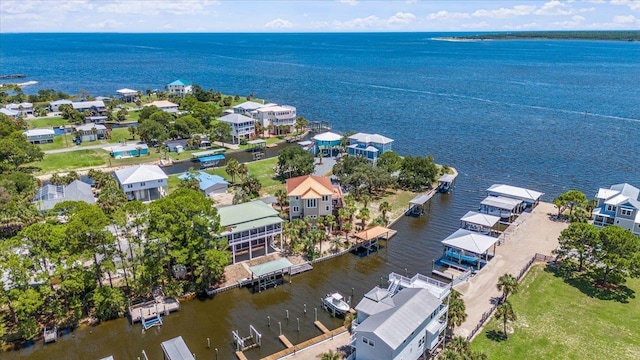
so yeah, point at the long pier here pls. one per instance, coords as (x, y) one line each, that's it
(305, 344)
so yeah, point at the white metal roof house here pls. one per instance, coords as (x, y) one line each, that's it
(49, 195)
(10, 113)
(128, 95)
(620, 206)
(241, 126)
(282, 117)
(247, 107)
(531, 198)
(92, 132)
(370, 146)
(55, 105)
(96, 106)
(23, 108)
(164, 105)
(142, 182)
(39, 136)
(404, 321)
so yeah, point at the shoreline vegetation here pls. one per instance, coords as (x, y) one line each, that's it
(551, 35)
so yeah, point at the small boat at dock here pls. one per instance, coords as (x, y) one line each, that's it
(334, 302)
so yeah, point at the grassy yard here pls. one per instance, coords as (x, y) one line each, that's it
(71, 160)
(47, 122)
(571, 319)
(59, 142)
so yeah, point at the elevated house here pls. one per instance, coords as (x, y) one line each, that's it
(247, 108)
(405, 321)
(281, 118)
(23, 108)
(620, 206)
(242, 127)
(327, 143)
(49, 195)
(129, 150)
(164, 105)
(40, 136)
(209, 184)
(251, 229)
(128, 95)
(54, 106)
(529, 197)
(96, 107)
(369, 146)
(142, 182)
(92, 132)
(180, 87)
(312, 196)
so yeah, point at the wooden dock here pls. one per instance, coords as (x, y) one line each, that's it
(151, 309)
(285, 341)
(321, 326)
(240, 355)
(300, 268)
(305, 344)
(50, 335)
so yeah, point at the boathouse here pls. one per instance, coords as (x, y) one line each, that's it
(416, 205)
(267, 274)
(445, 183)
(478, 222)
(464, 249)
(251, 229)
(176, 349)
(505, 208)
(530, 198)
(370, 237)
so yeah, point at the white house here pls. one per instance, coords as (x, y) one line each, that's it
(164, 105)
(10, 113)
(403, 322)
(92, 132)
(54, 106)
(282, 117)
(241, 126)
(247, 107)
(24, 108)
(142, 182)
(95, 107)
(180, 87)
(620, 206)
(39, 136)
(128, 95)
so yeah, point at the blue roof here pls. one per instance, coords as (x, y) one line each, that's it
(180, 82)
(211, 158)
(206, 180)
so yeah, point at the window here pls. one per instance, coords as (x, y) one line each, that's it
(297, 198)
(368, 341)
(325, 197)
(130, 186)
(421, 342)
(327, 208)
(611, 208)
(626, 212)
(312, 203)
(296, 209)
(143, 184)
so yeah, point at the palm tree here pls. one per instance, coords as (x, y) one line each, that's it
(505, 313)
(508, 284)
(232, 169)
(363, 216)
(281, 195)
(330, 355)
(457, 311)
(242, 171)
(384, 208)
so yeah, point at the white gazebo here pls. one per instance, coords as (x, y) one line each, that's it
(478, 222)
(464, 246)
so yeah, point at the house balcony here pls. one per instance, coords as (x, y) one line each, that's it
(241, 238)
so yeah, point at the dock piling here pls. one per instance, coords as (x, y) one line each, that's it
(298, 321)
(216, 350)
(208, 343)
(279, 328)
(305, 308)
(287, 311)
(268, 321)
(315, 311)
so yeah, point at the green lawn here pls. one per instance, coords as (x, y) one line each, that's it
(133, 115)
(47, 122)
(567, 320)
(71, 160)
(59, 142)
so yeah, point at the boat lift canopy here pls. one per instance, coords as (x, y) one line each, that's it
(470, 241)
(447, 178)
(211, 158)
(372, 233)
(270, 267)
(477, 218)
(176, 349)
(421, 199)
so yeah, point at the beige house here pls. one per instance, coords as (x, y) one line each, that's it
(311, 196)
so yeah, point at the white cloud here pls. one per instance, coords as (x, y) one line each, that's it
(574, 22)
(155, 7)
(632, 4)
(629, 19)
(445, 15)
(528, 26)
(401, 18)
(106, 24)
(555, 7)
(350, 2)
(502, 13)
(472, 26)
(279, 24)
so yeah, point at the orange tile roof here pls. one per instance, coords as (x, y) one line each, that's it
(309, 186)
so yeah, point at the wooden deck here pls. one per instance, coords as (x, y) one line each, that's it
(285, 341)
(305, 344)
(240, 355)
(297, 269)
(150, 309)
(321, 326)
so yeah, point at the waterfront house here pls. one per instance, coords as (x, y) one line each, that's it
(91, 132)
(209, 184)
(49, 195)
(23, 108)
(620, 206)
(369, 146)
(40, 136)
(312, 196)
(54, 106)
(128, 95)
(127, 151)
(242, 127)
(464, 249)
(176, 145)
(251, 229)
(404, 321)
(327, 143)
(530, 198)
(282, 118)
(10, 113)
(247, 108)
(505, 208)
(96, 107)
(176, 349)
(142, 182)
(164, 105)
(180, 88)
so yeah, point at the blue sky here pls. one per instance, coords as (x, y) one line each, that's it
(315, 16)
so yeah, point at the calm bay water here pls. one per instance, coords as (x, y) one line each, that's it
(498, 111)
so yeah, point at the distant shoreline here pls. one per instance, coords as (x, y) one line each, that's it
(630, 36)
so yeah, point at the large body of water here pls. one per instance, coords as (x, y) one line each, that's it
(549, 115)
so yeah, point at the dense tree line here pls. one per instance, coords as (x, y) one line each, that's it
(561, 35)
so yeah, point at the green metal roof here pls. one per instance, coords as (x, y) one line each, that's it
(270, 267)
(252, 225)
(235, 215)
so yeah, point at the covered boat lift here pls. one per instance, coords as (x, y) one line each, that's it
(504, 207)
(266, 275)
(531, 198)
(445, 183)
(369, 237)
(257, 148)
(210, 161)
(478, 222)
(416, 205)
(176, 349)
(467, 247)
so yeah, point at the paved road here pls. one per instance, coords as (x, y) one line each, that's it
(77, 148)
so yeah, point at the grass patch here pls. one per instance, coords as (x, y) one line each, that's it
(47, 122)
(564, 319)
(71, 160)
(133, 115)
(59, 142)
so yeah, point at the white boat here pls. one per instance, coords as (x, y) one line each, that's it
(335, 303)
